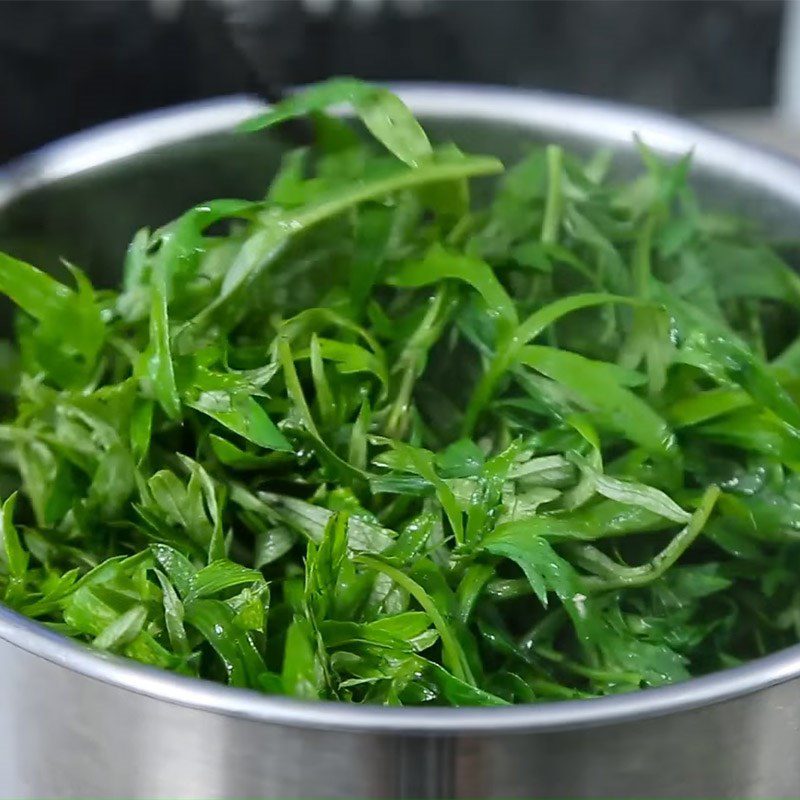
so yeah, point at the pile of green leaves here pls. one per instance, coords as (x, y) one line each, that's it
(362, 440)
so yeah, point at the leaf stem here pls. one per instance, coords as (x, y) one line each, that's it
(555, 200)
(618, 577)
(453, 651)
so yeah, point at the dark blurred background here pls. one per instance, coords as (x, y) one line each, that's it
(67, 64)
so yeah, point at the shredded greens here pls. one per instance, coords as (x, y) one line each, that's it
(365, 440)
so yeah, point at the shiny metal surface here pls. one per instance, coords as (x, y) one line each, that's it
(73, 723)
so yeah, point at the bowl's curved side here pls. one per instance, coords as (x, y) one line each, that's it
(27, 636)
(121, 139)
(541, 113)
(64, 734)
(604, 122)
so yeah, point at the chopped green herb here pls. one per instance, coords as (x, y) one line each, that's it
(370, 441)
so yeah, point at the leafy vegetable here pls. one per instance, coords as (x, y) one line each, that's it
(365, 440)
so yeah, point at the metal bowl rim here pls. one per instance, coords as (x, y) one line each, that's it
(607, 122)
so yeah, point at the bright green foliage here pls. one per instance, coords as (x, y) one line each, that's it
(365, 440)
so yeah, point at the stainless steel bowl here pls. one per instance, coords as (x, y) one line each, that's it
(74, 723)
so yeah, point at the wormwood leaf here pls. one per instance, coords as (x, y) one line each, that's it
(303, 675)
(14, 556)
(439, 264)
(597, 386)
(635, 494)
(543, 567)
(630, 576)
(277, 228)
(122, 630)
(70, 331)
(454, 656)
(384, 114)
(216, 622)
